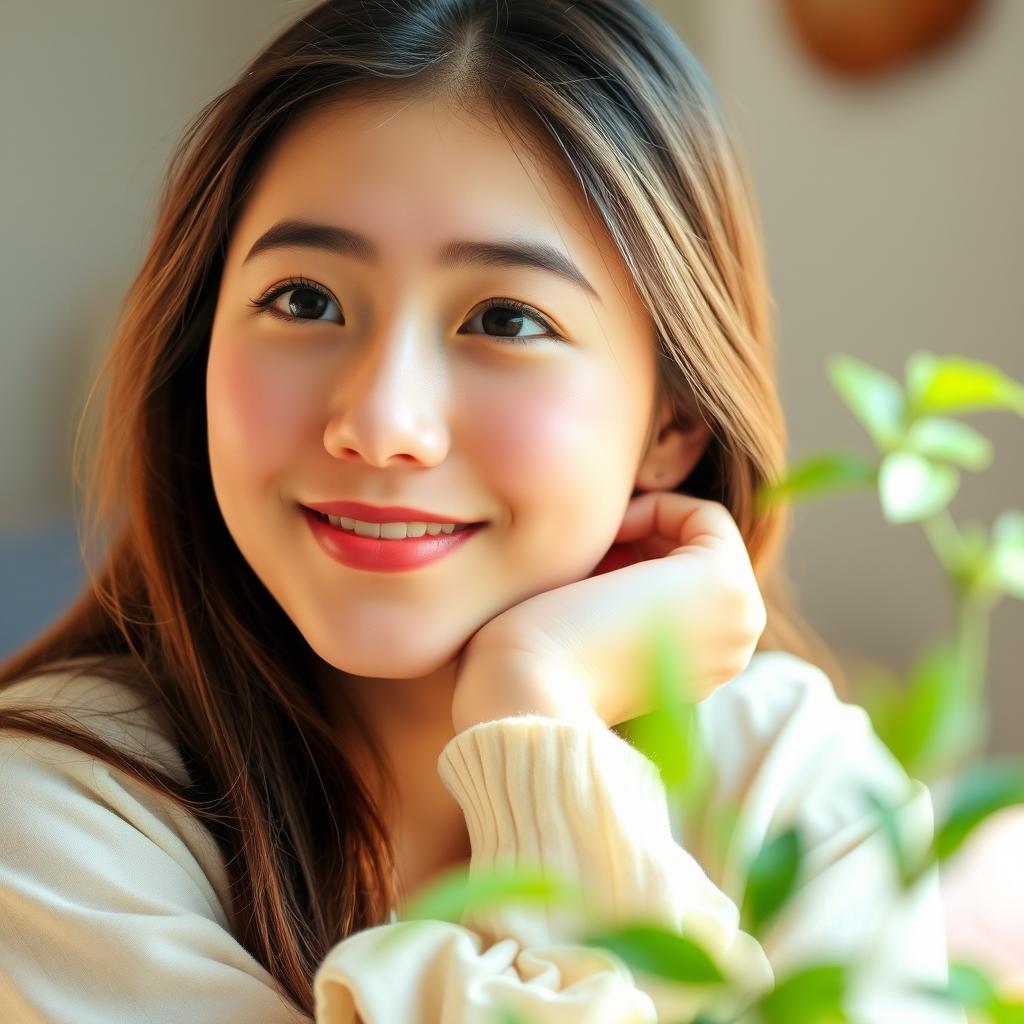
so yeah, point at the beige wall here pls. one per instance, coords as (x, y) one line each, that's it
(93, 97)
(894, 220)
(893, 214)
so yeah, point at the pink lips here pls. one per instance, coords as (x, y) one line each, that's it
(375, 554)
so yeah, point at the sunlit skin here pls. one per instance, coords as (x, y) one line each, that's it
(403, 390)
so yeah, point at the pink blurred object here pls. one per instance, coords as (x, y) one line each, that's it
(983, 894)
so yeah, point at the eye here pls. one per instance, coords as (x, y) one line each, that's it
(509, 318)
(307, 298)
(310, 298)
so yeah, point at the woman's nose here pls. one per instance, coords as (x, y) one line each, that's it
(390, 403)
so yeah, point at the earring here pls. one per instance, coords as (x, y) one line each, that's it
(659, 473)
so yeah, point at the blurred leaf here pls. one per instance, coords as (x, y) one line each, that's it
(659, 952)
(912, 487)
(718, 825)
(937, 384)
(881, 693)
(875, 398)
(771, 879)
(891, 830)
(820, 474)
(670, 736)
(455, 892)
(1006, 555)
(936, 723)
(980, 791)
(1003, 1011)
(971, 988)
(919, 370)
(949, 440)
(973, 557)
(813, 995)
(675, 744)
(507, 1015)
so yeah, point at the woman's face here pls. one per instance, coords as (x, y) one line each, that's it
(405, 387)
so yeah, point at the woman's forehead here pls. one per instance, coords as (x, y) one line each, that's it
(416, 174)
(414, 152)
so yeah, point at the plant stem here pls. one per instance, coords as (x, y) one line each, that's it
(972, 620)
(970, 633)
(945, 539)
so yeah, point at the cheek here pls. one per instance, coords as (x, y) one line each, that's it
(257, 413)
(557, 436)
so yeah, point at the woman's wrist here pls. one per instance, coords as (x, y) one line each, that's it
(496, 686)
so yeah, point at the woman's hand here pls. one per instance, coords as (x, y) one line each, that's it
(583, 651)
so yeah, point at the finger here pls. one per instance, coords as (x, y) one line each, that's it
(680, 519)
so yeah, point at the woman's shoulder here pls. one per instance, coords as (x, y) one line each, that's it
(774, 679)
(93, 863)
(778, 697)
(69, 799)
(107, 704)
(781, 723)
(787, 750)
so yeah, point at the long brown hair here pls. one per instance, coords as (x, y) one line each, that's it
(173, 609)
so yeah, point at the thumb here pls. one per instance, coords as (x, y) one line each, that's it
(639, 518)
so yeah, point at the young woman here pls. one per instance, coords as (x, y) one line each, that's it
(448, 371)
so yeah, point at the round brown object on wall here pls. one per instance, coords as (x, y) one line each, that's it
(863, 37)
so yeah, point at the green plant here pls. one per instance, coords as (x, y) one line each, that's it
(934, 722)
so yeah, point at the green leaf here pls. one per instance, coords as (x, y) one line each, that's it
(455, 892)
(956, 384)
(949, 440)
(881, 693)
(936, 724)
(670, 735)
(659, 952)
(875, 398)
(771, 878)
(891, 831)
(969, 986)
(981, 790)
(820, 474)
(813, 995)
(912, 487)
(973, 553)
(919, 370)
(1007, 552)
(507, 1015)
(1004, 1011)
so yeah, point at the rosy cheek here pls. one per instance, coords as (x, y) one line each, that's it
(256, 412)
(535, 436)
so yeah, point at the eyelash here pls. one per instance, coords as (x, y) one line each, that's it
(265, 304)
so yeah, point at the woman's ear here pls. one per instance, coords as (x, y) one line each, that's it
(673, 452)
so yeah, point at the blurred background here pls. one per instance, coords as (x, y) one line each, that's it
(892, 208)
(885, 143)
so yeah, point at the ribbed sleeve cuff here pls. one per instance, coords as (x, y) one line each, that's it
(581, 802)
(559, 795)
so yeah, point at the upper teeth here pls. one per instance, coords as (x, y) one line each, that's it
(392, 531)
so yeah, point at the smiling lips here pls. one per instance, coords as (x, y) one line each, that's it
(374, 553)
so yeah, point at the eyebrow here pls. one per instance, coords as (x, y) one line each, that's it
(291, 234)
